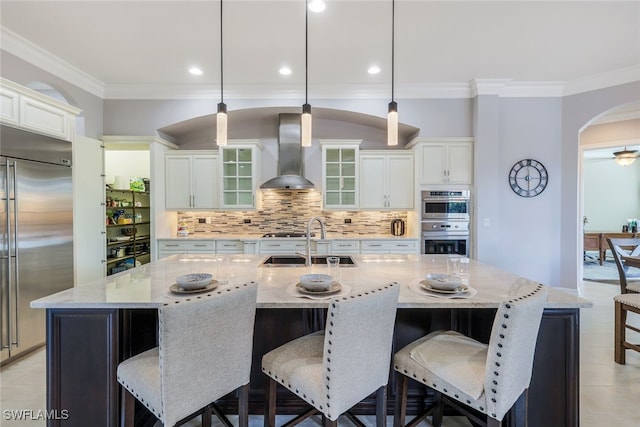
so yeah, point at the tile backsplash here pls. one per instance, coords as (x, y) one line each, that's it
(283, 211)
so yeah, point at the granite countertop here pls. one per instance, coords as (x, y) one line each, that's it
(329, 236)
(147, 286)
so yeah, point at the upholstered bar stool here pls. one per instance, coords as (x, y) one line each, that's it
(336, 368)
(469, 374)
(623, 304)
(629, 282)
(204, 353)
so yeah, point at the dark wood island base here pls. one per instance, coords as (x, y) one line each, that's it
(84, 347)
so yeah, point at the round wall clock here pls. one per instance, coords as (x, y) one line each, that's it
(528, 178)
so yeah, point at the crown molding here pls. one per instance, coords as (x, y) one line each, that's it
(24, 49)
(507, 88)
(603, 80)
(35, 55)
(316, 91)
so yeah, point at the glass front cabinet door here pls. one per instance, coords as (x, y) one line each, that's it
(340, 174)
(240, 169)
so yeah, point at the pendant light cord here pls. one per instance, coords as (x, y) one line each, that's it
(393, 45)
(221, 59)
(306, 51)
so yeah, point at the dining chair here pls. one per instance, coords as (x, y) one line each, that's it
(204, 352)
(620, 247)
(468, 374)
(629, 302)
(337, 367)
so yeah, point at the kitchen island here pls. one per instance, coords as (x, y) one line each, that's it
(91, 328)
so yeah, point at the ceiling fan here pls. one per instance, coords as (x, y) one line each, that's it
(626, 157)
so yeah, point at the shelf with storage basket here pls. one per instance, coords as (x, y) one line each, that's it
(128, 230)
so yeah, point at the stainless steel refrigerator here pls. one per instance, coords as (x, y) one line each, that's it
(36, 233)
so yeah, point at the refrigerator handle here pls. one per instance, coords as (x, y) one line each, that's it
(15, 251)
(7, 259)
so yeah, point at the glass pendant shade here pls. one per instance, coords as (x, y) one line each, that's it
(305, 122)
(221, 126)
(392, 124)
(392, 115)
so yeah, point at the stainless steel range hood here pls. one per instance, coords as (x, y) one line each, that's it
(290, 168)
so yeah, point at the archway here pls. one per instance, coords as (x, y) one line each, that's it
(609, 193)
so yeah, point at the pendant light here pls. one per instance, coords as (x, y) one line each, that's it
(305, 119)
(392, 115)
(221, 117)
(626, 157)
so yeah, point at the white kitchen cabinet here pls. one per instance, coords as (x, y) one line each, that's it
(340, 160)
(240, 170)
(28, 109)
(322, 247)
(191, 181)
(389, 246)
(284, 246)
(251, 247)
(345, 247)
(9, 106)
(444, 160)
(229, 247)
(386, 180)
(173, 246)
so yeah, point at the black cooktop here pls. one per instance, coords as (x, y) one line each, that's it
(287, 234)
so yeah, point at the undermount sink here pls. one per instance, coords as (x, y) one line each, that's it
(299, 261)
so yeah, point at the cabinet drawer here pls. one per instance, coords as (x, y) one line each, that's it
(189, 246)
(345, 246)
(282, 246)
(389, 247)
(229, 247)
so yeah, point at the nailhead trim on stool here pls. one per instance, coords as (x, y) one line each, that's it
(493, 393)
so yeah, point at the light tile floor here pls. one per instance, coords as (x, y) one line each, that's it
(609, 393)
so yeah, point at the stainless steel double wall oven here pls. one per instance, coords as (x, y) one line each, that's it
(445, 222)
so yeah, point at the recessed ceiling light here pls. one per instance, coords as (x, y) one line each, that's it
(374, 69)
(317, 6)
(285, 71)
(195, 71)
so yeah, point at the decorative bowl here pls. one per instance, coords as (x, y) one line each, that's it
(194, 281)
(316, 282)
(443, 282)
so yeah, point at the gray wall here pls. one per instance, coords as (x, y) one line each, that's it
(436, 117)
(517, 234)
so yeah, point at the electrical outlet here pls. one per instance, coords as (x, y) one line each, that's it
(247, 220)
(208, 220)
(347, 220)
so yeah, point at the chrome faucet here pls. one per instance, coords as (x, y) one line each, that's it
(323, 235)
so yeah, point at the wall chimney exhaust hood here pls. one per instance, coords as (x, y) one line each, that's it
(290, 168)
